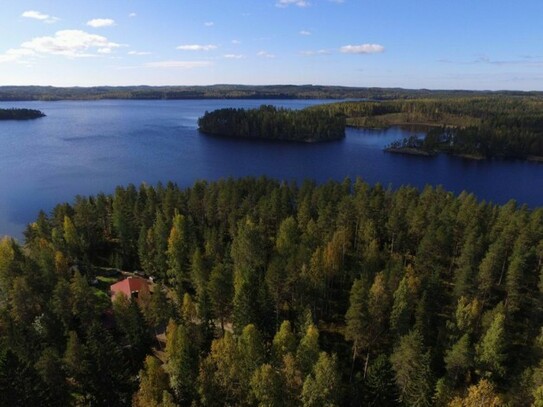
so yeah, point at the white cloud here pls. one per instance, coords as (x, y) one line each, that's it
(101, 22)
(265, 54)
(317, 52)
(236, 42)
(286, 3)
(209, 23)
(13, 55)
(196, 47)
(305, 32)
(36, 15)
(70, 43)
(178, 64)
(234, 56)
(138, 53)
(131, 15)
(362, 49)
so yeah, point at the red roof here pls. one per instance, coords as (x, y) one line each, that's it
(129, 286)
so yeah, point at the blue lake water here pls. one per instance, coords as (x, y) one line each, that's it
(85, 147)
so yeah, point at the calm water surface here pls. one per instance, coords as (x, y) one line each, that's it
(92, 146)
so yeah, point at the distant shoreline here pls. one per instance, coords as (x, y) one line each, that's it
(409, 151)
(471, 157)
(234, 92)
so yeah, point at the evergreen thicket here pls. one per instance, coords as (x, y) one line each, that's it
(276, 294)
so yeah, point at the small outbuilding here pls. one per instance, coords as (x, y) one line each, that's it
(130, 286)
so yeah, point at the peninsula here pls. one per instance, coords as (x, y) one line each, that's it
(477, 127)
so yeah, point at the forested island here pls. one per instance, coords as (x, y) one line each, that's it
(272, 123)
(20, 114)
(275, 294)
(474, 127)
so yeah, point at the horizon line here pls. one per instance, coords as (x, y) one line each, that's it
(277, 85)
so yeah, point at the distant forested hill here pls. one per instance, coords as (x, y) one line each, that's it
(231, 92)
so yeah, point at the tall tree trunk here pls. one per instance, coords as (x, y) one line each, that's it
(366, 364)
(355, 347)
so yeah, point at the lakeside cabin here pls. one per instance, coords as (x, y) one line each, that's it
(130, 286)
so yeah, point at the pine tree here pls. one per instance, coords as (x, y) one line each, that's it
(251, 356)
(71, 238)
(50, 368)
(459, 359)
(222, 372)
(492, 349)
(20, 385)
(266, 387)
(323, 386)
(412, 372)
(308, 350)
(221, 290)
(130, 323)
(74, 357)
(8, 254)
(357, 319)
(481, 394)
(106, 379)
(84, 302)
(284, 341)
(153, 384)
(181, 362)
(379, 387)
(177, 252)
(292, 380)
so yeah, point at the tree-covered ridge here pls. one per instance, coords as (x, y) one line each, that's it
(20, 114)
(234, 92)
(509, 127)
(279, 295)
(269, 122)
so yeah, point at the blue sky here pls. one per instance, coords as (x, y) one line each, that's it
(435, 44)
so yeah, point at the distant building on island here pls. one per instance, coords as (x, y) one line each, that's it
(130, 286)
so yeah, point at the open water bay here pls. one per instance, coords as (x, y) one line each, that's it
(86, 147)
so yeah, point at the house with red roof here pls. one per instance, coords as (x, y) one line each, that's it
(130, 286)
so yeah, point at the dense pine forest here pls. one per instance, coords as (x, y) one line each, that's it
(484, 127)
(272, 123)
(275, 294)
(20, 114)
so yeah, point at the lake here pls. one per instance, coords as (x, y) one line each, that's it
(86, 147)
